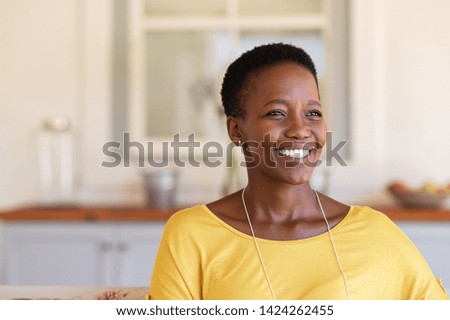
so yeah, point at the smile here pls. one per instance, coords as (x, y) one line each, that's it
(293, 153)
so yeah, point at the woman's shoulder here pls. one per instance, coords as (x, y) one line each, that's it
(188, 216)
(370, 214)
(371, 219)
(186, 223)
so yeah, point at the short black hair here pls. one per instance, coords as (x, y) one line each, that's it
(232, 92)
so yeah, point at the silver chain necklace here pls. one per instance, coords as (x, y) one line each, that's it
(262, 261)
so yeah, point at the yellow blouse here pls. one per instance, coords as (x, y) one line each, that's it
(202, 257)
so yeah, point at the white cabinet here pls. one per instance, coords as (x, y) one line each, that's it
(135, 253)
(106, 254)
(433, 241)
(123, 254)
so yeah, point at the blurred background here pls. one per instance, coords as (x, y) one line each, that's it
(90, 89)
(154, 68)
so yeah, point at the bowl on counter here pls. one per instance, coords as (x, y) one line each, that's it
(419, 199)
(427, 196)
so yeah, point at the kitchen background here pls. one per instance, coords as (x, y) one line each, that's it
(72, 58)
(384, 68)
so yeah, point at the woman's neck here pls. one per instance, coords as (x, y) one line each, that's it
(281, 202)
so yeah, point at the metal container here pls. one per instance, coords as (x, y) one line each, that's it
(160, 188)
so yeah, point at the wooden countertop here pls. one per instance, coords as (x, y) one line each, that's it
(88, 214)
(93, 213)
(416, 214)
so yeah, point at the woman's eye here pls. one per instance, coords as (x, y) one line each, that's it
(275, 113)
(314, 113)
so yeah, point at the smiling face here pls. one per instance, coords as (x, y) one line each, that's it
(281, 126)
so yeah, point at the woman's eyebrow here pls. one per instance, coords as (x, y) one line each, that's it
(277, 101)
(313, 103)
(309, 103)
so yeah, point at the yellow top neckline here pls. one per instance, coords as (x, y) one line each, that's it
(270, 241)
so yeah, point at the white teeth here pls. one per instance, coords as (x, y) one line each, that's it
(294, 153)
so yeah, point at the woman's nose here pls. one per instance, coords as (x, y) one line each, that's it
(297, 129)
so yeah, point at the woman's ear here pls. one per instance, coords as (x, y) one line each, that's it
(233, 129)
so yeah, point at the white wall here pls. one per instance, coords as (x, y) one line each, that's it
(38, 77)
(400, 58)
(417, 103)
(56, 59)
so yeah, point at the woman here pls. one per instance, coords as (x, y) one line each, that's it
(277, 238)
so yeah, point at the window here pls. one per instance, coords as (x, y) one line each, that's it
(179, 49)
(177, 52)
